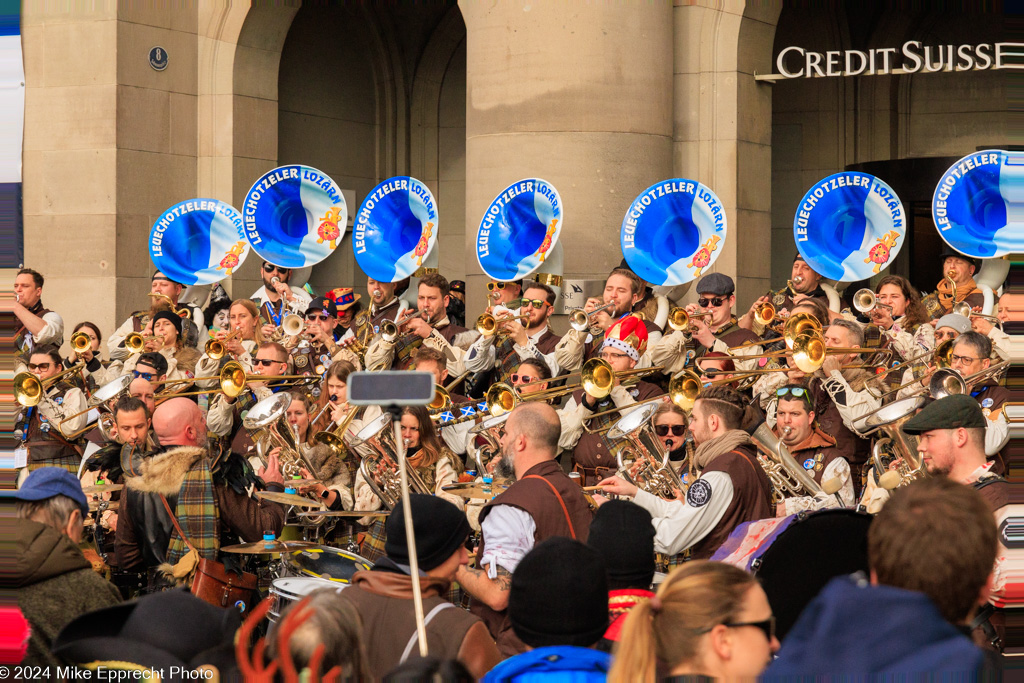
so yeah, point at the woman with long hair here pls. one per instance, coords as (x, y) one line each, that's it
(707, 619)
(904, 318)
(425, 454)
(244, 323)
(164, 334)
(95, 374)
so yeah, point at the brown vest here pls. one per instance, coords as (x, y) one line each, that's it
(594, 455)
(855, 449)
(815, 453)
(48, 448)
(731, 335)
(751, 497)
(536, 498)
(389, 312)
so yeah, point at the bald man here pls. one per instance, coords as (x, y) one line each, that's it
(218, 511)
(543, 502)
(143, 390)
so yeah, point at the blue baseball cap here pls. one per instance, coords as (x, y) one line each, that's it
(47, 482)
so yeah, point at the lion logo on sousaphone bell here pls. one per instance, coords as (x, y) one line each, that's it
(328, 231)
(879, 254)
(703, 256)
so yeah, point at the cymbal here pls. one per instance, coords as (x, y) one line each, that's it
(107, 505)
(298, 483)
(474, 490)
(265, 547)
(287, 499)
(345, 513)
(102, 488)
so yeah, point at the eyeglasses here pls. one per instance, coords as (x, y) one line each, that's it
(516, 377)
(491, 286)
(148, 376)
(314, 317)
(42, 367)
(767, 626)
(663, 430)
(270, 268)
(716, 301)
(536, 303)
(953, 358)
(264, 362)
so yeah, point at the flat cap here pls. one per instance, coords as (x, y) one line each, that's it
(951, 412)
(717, 284)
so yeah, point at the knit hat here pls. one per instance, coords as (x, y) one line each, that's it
(624, 535)
(628, 335)
(954, 321)
(440, 528)
(167, 315)
(559, 595)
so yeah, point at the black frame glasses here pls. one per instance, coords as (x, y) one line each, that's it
(270, 268)
(767, 626)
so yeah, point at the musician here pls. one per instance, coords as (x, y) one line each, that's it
(715, 365)
(431, 328)
(37, 325)
(324, 335)
(334, 488)
(275, 299)
(971, 353)
(435, 464)
(717, 296)
(543, 502)
(134, 430)
(143, 390)
(244, 324)
(593, 454)
(457, 303)
(456, 436)
(212, 508)
(95, 373)
(502, 293)
(623, 289)
(960, 269)
(347, 303)
(732, 487)
(334, 393)
(384, 303)
(44, 427)
(518, 341)
(900, 313)
(164, 334)
(1000, 339)
(950, 326)
(140, 321)
(670, 426)
(764, 387)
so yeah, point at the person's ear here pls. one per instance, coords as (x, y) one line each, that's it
(810, 416)
(74, 521)
(985, 362)
(720, 640)
(986, 591)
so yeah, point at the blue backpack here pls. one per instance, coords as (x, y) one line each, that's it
(563, 663)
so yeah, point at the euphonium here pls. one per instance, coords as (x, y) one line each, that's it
(80, 342)
(787, 477)
(896, 446)
(645, 462)
(267, 423)
(380, 467)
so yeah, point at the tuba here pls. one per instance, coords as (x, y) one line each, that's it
(894, 455)
(787, 477)
(269, 428)
(380, 467)
(646, 461)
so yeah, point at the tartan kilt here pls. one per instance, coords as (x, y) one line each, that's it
(67, 462)
(666, 563)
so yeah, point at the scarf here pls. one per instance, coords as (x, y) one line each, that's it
(709, 450)
(945, 293)
(197, 515)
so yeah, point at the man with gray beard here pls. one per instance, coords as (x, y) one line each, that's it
(543, 502)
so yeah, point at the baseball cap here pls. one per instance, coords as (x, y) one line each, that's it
(47, 482)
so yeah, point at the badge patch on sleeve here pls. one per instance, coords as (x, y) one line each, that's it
(699, 493)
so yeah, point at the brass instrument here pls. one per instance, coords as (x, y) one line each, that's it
(787, 477)
(946, 382)
(941, 358)
(105, 396)
(80, 342)
(380, 467)
(269, 429)
(182, 312)
(490, 430)
(765, 313)
(992, 372)
(442, 400)
(679, 320)
(865, 301)
(335, 438)
(29, 389)
(896, 447)
(487, 324)
(233, 381)
(215, 348)
(136, 342)
(581, 321)
(646, 462)
(389, 328)
(796, 325)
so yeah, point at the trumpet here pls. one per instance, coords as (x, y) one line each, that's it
(80, 342)
(679, 320)
(136, 342)
(182, 312)
(215, 348)
(487, 324)
(865, 301)
(580, 320)
(389, 328)
(29, 389)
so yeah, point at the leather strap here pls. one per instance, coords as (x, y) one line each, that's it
(174, 521)
(565, 510)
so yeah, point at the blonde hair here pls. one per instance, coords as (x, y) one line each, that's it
(694, 598)
(255, 313)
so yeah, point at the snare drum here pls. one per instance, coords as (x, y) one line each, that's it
(292, 589)
(328, 563)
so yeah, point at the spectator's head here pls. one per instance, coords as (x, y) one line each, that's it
(28, 287)
(936, 537)
(331, 622)
(441, 530)
(132, 419)
(54, 497)
(716, 411)
(707, 618)
(624, 535)
(179, 422)
(559, 595)
(531, 435)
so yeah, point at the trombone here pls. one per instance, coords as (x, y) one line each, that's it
(233, 380)
(942, 357)
(29, 389)
(580, 320)
(963, 308)
(796, 324)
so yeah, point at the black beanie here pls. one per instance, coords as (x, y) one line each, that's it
(624, 535)
(440, 528)
(167, 315)
(559, 595)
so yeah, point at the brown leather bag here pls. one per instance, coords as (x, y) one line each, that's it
(213, 583)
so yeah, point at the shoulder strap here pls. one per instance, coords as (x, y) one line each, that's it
(415, 634)
(174, 521)
(565, 510)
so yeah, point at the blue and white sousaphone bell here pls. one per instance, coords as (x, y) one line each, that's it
(395, 230)
(198, 241)
(519, 232)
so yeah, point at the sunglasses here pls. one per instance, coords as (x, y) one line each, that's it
(491, 286)
(41, 367)
(314, 316)
(767, 626)
(148, 376)
(536, 303)
(265, 362)
(716, 301)
(799, 392)
(663, 430)
(516, 377)
(270, 268)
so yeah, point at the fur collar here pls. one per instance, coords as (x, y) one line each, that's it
(164, 472)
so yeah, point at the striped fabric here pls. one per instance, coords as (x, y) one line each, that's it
(197, 515)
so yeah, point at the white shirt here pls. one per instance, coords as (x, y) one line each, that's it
(483, 356)
(678, 526)
(508, 533)
(299, 305)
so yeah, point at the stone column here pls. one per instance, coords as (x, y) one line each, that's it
(579, 95)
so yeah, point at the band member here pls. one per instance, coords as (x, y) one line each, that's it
(502, 293)
(543, 502)
(971, 353)
(244, 325)
(960, 269)
(276, 297)
(764, 387)
(455, 436)
(334, 397)
(323, 336)
(1000, 339)
(37, 325)
(207, 505)
(143, 390)
(135, 433)
(45, 427)
(593, 453)
(139, 321)
(716, 331)
(670, 428)
(714, 366)
(334, 488)
(950, 326)
(518, 341)
(623, 289)
(812, 448)
(430, 327)
(163, 336)
(384, 303)
(457, 302)
(347, 303)
(732, 487)
(95, 372)
(435, 464)
(900, 313)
